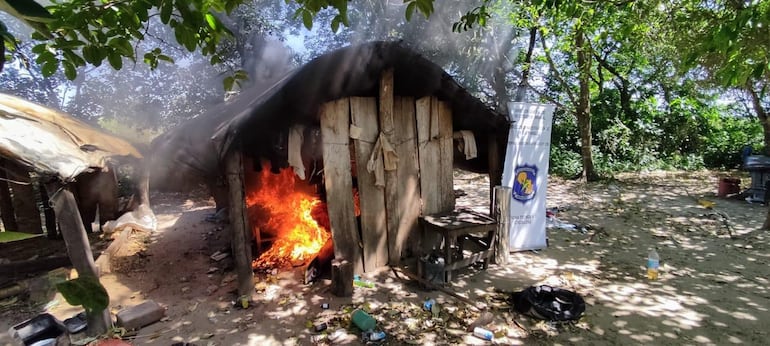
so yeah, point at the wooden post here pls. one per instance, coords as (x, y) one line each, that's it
(335, 131)
(239, 225)
(6, 204)
(502, 213)
(388, 128)
(79, 250)
(495, 172)
(342, 278)
(48, 213)
(24, 199)
(406, 236)
(374, 232)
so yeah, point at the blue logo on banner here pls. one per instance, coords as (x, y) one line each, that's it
(524, 184)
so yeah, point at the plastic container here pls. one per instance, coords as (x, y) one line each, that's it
(362, 320)
(39, 328)
(357, 281)
(482, 333)
(428, 305)
(653, 263)
(373, 336)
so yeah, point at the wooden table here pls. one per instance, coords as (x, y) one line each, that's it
(460, 225)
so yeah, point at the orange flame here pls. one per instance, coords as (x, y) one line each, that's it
(283, 206)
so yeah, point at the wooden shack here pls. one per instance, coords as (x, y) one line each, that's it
(382, 122)
(65, 154)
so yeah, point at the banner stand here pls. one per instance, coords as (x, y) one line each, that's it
(526, 173)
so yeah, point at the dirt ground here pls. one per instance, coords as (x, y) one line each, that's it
(713, 287)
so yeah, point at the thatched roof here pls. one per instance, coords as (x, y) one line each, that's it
(256, 115)
(53, 143)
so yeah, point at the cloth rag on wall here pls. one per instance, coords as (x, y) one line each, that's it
(467, 143)
(383, 158)
(295, 150)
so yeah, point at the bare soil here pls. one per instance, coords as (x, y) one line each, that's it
(713, 285)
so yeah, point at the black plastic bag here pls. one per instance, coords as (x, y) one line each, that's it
(548, 303)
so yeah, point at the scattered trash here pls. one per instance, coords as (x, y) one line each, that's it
(482, 333)
(373, 336)
(219, 255)
(362, 320)
(140, 315)
(77, 323)
(319, 327)
(653, 263)
(38, 328)
(706, 203)
(325, 306)
(548, 303)
(428, 304)
(357, 281)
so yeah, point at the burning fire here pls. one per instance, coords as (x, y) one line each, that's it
(286, 208)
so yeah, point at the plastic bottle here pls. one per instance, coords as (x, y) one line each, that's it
(357, 281)
(362, 320)
(428, 305)
(483, 333)
(653, 262)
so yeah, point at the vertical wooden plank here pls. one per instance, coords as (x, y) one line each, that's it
(342, 278)
(408, 177)
(79, 250)
(502, 213)
(239, 225)
(446, 157)
(428, 152)
(335, 123)
(23, 198)
(495, 168)
(374, 233)
(7, 215)
(388, 128)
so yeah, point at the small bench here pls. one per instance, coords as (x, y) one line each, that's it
(455, 229)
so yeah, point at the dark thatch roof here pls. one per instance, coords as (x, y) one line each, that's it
(255, 115)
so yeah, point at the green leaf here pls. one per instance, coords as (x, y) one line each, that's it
(69, 70)
(115, 59)
(122, 46)
(228, 83)
(335, 24)
(165, 58)
(28, 10)
(307, 19)
(86, 291)
(49, 68)
(212, 21)
(410, 10)
(44, 57)
(166, 7)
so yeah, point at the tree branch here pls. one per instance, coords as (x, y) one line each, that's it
(555, 71)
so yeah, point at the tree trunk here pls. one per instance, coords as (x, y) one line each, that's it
(756, 102)
(583, 109)
(521, 90)
(6, 205)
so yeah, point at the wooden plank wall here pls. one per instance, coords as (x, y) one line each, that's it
(374, 235)
(335, 123)
(408, 177)
(434, 143)
(421, 183)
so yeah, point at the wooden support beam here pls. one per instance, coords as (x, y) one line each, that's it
(388, 129)
(7, 214)
(79, 250)
(342, 278)
(24, 199)
(239, 225)
(502, 213)
(495, 168)
(374, 232)
(335, 131)
(406, 235)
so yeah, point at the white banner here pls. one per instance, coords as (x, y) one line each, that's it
(526, 173)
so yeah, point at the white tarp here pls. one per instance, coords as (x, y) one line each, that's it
(526, 173)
